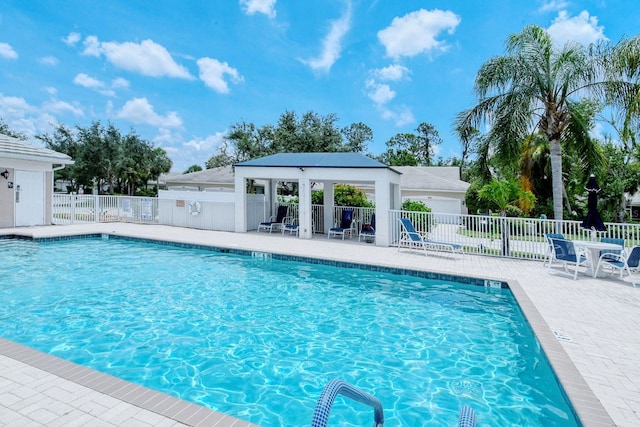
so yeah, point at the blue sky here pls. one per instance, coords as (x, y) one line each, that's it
(181, 72)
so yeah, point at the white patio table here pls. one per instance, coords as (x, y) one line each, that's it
(592, 250)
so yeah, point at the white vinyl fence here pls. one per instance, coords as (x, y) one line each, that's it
(484, 235)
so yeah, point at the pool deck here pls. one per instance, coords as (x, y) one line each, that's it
(588, 328)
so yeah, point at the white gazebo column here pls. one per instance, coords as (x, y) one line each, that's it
(241, 201)
(383, 205)
(304, 208)
(328, 203)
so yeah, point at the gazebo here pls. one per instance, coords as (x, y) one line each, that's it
(325, 168)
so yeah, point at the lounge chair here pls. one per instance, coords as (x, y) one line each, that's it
(415, 239)
(368, 231)
(629, 263)
(291, 225)
(277, 221)
(565, 252)
(548, 238)
(346, 225)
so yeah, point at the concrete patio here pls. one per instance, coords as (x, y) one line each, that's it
(587, 327)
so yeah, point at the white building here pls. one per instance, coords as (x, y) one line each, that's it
(26, 182)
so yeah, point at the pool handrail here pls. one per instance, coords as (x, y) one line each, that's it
(328, 395)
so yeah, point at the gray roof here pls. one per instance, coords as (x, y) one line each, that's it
(315, 160)
(13, 148)
(222, 174)
(439, 178)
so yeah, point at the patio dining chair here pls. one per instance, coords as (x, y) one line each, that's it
(564, 251)
(629, 263)
(611, 253)
(548, 238)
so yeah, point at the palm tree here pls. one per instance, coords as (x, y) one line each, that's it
(538, 88)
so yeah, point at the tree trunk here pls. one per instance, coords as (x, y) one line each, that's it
(555, 154)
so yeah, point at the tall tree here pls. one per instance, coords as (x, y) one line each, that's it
(537, 88)
(356, 137)
(410, 149)
(311, 133)
(428, 138)
(106, 159)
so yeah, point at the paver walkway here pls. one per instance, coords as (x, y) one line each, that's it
(593, 321)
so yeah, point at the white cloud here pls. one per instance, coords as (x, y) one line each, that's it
(332, 43)
(91, 46)
(553, 5)
(402, 117)
(267, 7)
(138, 110)
(60, 107)
(13, 106)
(72, 39)
(6, 51)
(30, 120)
(49, 60)
(583, 29)
(212, 73)
(208, 144)
(87, 81)
(51, 90)
(147, 58)
(392, 73)
(416, 32)
(119, 82)
(186, 153)
(379, 93)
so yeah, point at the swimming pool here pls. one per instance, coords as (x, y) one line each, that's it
(259, 338)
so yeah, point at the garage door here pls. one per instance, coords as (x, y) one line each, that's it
(29, 193)
(442, 205)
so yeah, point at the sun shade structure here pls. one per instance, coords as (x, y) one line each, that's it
(325, 168)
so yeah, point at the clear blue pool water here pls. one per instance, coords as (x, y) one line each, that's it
(258, 339)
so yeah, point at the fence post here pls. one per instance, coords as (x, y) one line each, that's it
(96, 208)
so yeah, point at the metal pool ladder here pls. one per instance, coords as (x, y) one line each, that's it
(328, 395)
(466, 418)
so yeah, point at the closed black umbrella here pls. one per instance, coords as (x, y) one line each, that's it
(593, 221)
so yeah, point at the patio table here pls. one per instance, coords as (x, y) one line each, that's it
(592, 250)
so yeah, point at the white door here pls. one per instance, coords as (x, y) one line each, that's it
(29, 197)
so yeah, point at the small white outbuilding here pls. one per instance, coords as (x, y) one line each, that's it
(26, 182)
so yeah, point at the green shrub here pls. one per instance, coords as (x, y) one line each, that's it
(415, 206)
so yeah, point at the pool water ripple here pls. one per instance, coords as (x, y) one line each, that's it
(258, 339)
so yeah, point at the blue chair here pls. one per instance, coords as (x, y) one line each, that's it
(277, 221)
(564, 251)
(629, 263)
(346, 225)
(368, 231)
(607, 253)
(548, 238)
(414, 239)
(291, 225)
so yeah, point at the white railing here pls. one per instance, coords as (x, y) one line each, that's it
(505, 237)
(77, 209)
(485, 235)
